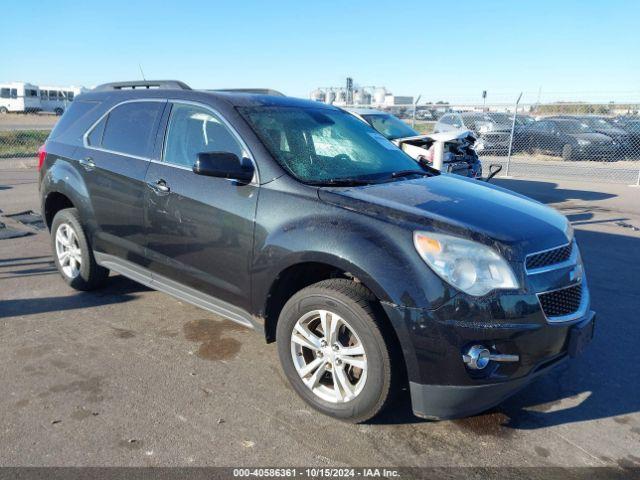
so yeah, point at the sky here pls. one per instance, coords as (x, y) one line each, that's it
(443, 50)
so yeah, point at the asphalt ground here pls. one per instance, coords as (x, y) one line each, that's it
(126, 376)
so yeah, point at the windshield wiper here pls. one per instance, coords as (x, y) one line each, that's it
(337, 182)
(407, 173)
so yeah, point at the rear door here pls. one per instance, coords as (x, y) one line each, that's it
(116, 155)
(200, 229)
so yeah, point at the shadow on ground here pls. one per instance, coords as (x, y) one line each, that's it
(118, 290)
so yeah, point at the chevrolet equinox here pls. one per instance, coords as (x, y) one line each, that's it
(371, 272)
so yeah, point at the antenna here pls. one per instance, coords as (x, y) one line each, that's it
(141, 72)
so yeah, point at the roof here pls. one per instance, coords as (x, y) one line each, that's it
(172, 91)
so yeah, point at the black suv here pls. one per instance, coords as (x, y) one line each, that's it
(294, 218)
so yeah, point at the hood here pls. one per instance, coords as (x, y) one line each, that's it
(512, 223)
(591, 137)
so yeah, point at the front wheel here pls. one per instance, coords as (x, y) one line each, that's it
(333, 350)
(3, 110)
(73, 254)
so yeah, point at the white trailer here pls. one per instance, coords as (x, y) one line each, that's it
(56, 99)
(19, 97)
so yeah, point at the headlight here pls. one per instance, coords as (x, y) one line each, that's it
(469, 266)
(583, 142)
(568, 231)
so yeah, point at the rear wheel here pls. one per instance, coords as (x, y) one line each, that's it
(3, 110)
(333, 351)
(73, 254)
(58, 111)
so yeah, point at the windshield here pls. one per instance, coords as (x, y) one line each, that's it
(524, 121)
(498, 118)
(573, 126)
(390, 126)
(600, 123)
(324, 146)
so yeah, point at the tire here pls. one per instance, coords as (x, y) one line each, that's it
(79, 268)
(373, 387)
(3, 110)
(567, 153)
(58, 111)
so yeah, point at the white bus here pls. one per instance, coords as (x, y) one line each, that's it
(19, 97)
(57, 99)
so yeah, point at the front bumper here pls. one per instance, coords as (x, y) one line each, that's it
(440, 383)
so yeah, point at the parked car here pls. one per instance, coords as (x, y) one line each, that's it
(603, 125)
(370, 271)
(492, 129)
(459, 157)
(632, 126)
(570, 139)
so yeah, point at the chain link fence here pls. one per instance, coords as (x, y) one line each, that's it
(571, 141)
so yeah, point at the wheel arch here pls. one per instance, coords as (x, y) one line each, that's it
(302, 272)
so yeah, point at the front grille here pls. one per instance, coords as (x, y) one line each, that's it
(550, 257)
(561, 302)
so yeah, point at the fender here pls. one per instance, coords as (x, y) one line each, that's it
(380, 254)
(62, 176)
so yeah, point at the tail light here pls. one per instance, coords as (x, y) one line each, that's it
(42, 154)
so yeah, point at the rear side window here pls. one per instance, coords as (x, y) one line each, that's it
(75, 112)
(94, 138)
(131, 127)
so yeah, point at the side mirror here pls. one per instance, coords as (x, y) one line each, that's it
(224, 165)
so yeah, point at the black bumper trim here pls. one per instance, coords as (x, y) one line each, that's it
(444, 402)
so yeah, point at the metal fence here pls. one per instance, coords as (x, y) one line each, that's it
(575, 141)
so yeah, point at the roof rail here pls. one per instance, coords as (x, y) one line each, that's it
(261, 91)
(144, 85)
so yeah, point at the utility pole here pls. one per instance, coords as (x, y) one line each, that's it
(484, 100)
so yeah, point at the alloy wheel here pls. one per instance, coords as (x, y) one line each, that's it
(68, 250)
(329, 356)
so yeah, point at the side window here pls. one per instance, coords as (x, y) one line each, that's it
(131, 127)
(456, 120)
(53, 95)
(94, 138)
(4, 93)
(193, 130)
(14, 93)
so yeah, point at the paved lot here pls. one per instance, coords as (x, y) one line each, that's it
(129, 376)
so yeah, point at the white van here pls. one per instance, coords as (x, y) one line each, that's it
(57, 99)
(19, 97)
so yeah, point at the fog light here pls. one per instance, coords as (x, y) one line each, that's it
(478, 357)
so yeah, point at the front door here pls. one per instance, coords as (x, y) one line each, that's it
(200, 229)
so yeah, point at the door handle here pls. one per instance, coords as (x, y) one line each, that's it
(87, 163)
(160, 187)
